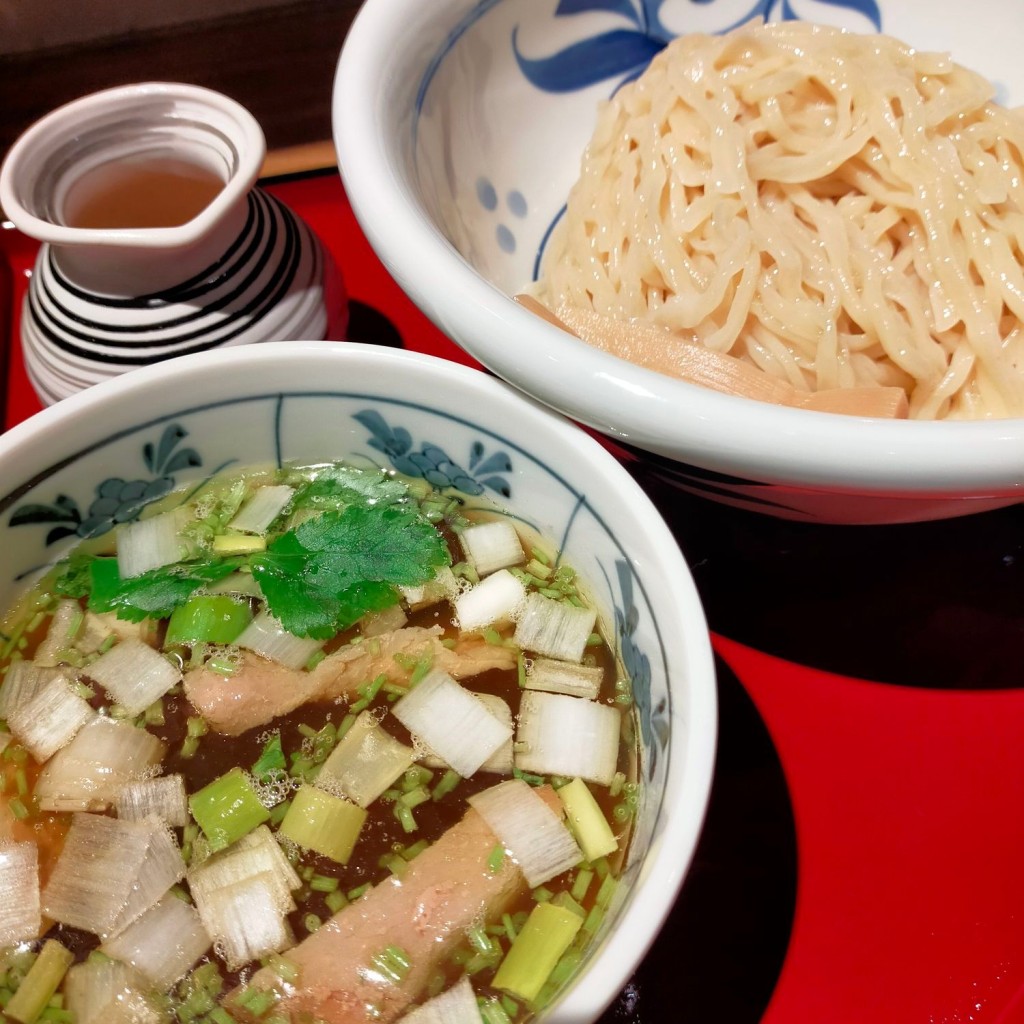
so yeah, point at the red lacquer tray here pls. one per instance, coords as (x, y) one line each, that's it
(863, 857)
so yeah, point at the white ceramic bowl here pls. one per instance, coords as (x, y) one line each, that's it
(457, 164)
(314, 401)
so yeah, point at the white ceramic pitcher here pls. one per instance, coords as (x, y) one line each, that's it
(106, 296)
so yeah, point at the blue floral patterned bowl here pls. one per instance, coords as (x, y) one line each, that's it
(459, 126)
(101, 456)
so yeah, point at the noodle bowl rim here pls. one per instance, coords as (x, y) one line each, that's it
(372, 124)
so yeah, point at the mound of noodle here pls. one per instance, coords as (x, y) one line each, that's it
(838, 209)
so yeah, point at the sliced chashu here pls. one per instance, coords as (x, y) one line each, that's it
(262, 690)
(446, 890)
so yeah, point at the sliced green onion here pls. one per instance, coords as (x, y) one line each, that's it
(547, 934)
(320, 821)
(587, 820)
(227, 809)
(40, 983)
(207, 618)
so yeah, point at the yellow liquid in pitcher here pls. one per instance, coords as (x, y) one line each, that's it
(162, 193)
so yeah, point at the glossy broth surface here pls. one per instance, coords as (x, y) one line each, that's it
(161, 193)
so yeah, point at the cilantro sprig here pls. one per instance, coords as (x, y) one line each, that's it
(317, 579)
(334, 568)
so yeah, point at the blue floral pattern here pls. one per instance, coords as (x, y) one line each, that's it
(117, 500)
(433, 464)
(623, 53)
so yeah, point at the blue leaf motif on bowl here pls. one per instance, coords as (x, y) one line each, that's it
(432, 463)
(653, 721)
(117, 500)
(624, 53)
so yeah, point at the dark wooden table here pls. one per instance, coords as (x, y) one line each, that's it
(277, 62)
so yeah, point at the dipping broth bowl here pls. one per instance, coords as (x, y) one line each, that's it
(312, 402)
(460, 125)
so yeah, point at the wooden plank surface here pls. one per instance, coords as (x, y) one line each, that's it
(278, 62)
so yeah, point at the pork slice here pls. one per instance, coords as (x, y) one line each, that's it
(446, 890)
(262, 690)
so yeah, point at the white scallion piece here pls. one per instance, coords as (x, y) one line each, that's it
(366, 761)
(241, 584)
(491, 546)
(20, 916)
(108, 624)
(555, 629)
(163, 944)
(563, 677)
(268, 502)
(245, 920)
(386, 621)
(49, 719)
(494, 601)
(109, 872)
(533, 834)
(95, 632)
(61, 634)
(134, 675)
(451, 722)
(456, 1005)
(163, 797)
(570, 736)
(150, 543)
(267, 637)
(443, 587)
(256, 853)
(24, 679)
(109, 992)
(501, 762)
(90, 772)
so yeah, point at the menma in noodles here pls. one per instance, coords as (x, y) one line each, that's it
(837, 209)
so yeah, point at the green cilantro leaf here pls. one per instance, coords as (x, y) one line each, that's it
(340, 486)
(334, 568)
(153, 594)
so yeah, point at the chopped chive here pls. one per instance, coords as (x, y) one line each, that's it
(18, 808)
(405, 816)
(496, 859)
(581, 884)
(416, 777)
(359, 890)
(493, 1012)
(323, 883)
(605, 893)
(335, 901)
(593, 921)
(448, 782)
(311, 922)
(392, 962)
(413, 851)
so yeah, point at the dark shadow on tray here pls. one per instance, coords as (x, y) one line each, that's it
(936, 605)
(720, 953)
(370, 326)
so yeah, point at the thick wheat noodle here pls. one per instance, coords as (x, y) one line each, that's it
(838, 209)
